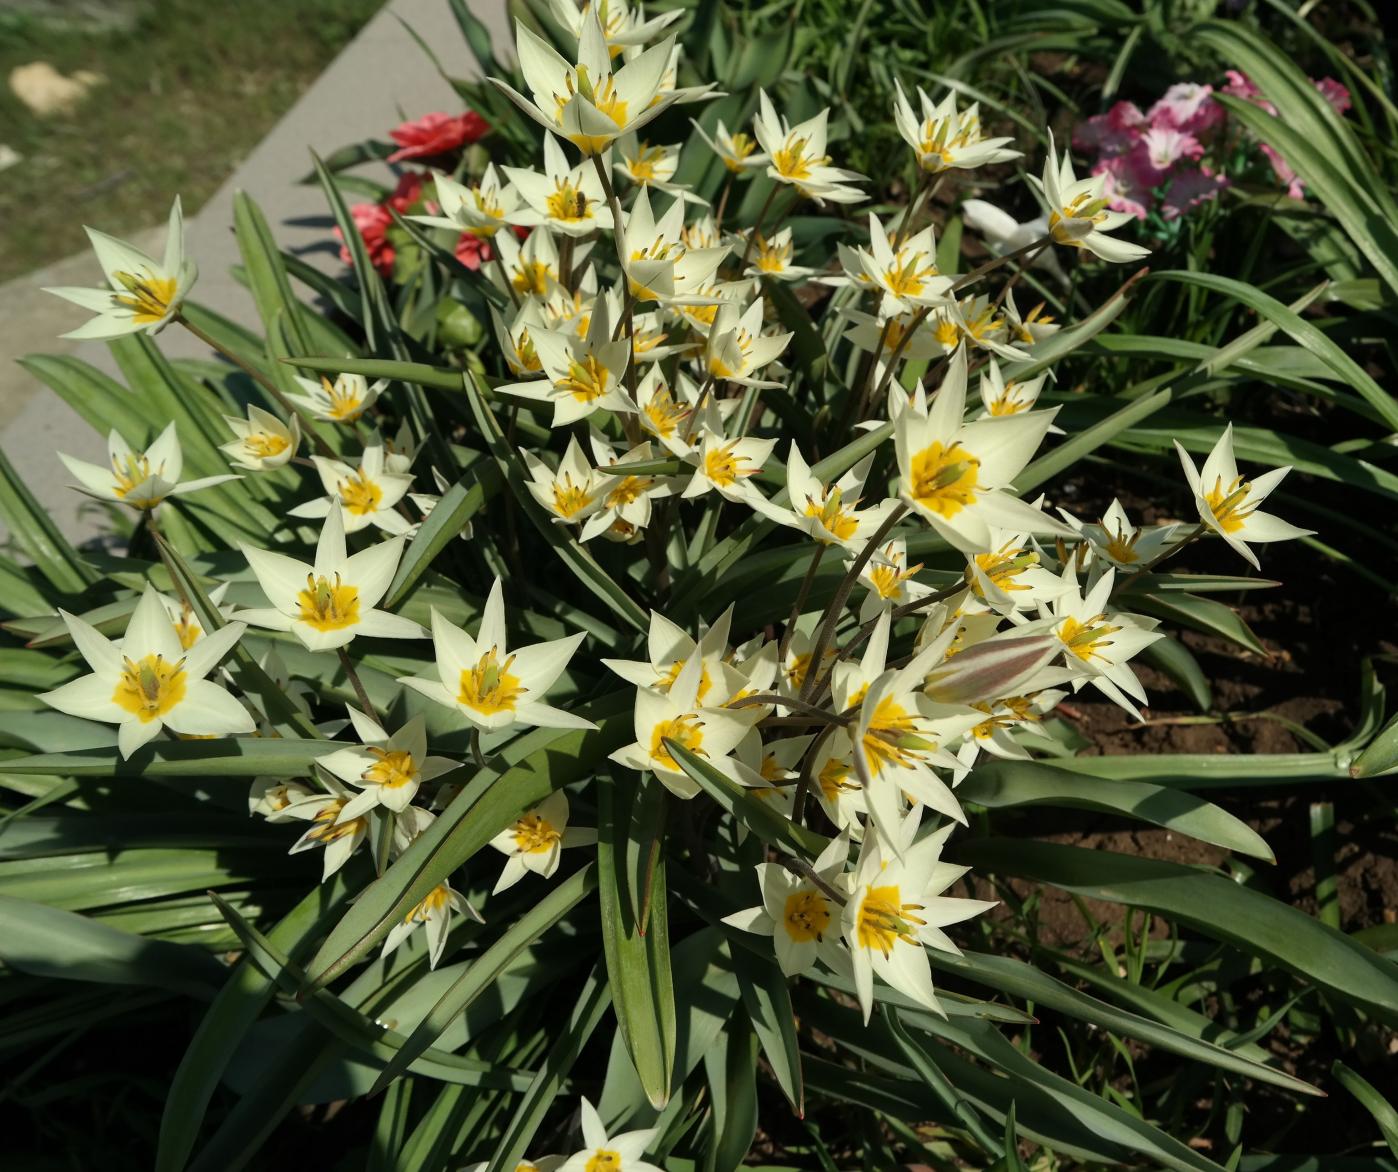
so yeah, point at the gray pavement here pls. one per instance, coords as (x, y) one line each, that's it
(379, 79)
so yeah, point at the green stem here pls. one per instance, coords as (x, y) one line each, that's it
(361, 695)
(800, 602)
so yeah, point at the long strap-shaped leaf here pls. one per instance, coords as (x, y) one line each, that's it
(1210, 903)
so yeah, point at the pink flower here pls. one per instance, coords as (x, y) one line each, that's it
(1164, 146)
(1125, 190)
(1112, 133)
(1334, 93)
(472, 250)
(1188, 107)
(408, 192)
(1189, 187)
(1285, 175)
(373, 222)
(436, 134)
(1239, 85)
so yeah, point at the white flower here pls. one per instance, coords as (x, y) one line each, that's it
(144, 294)
(942, 138)
(772, 258)
(264, 442)
(328, 603)
(676, 715)
(663, 409)
(623, 26)
(908, 335)
(189, 628)
(535, 840)
(571, 494)
(738, 151)
(1002, 233)
(1028, 329)
(736, 348)
(800, 916)
(542, 1164)
(531, 267)
(483, 208)
(1098, 642)
(340, 838)
(586, 102)
(567, 199)
(1120, 543)
(651, 166)
(727, 466)
(433, 914)
(491, 686)
(601, 1153)
(343, 401)
(1078, 215)
(797, 155)
(363, 496)
(889, 580)
(1009, 576)
(669, 648)
(1000, 397)
(897, 908)
(977, 321)
(830, 513)
(581, 374)
(957, 474)
(271, 795)
(1228, 502)
(149, 681)
(907, 276)
(626, 499)
(389, 769)
(139, 479)
(659, 266)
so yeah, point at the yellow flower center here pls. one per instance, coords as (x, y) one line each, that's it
(532, 276)
(664, 414)
(884, 919)
(586, 381)
(1086, 640)
(835, 517)
(568, 203)
(434, 902)
(1121, 548)
(129, 475)
(1002, 567)
(392, 769)
(836, 778)
(664, 683)
(569, 499)
(490, 687)
(628, 490)
(347, 399)
(603, 1160)
(907, 275)
(719, 365)
(644, 167)
(887, 580)
(942, 479)
(792, 162)
(359, 494)
(723, 465)
(148, 688)
(774, 257)
(1008, 401)
(686, 730)
(263, 445)
(806, 915)
(1227, 504)
(1070, 224)
(328, 606)
(327, 830)
(891, 736)
(739, 147)
(941, 138)
(148, 297)
(535, 834)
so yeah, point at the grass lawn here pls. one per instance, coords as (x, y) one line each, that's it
(191, 86)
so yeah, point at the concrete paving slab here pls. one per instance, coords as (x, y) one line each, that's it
(381, 78)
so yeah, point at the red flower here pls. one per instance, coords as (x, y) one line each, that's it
(472, 250)
(436, 134)
(408, 192)
(373, 222)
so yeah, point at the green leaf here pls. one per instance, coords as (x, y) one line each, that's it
(1173, 658)
(1377, 1106)
(638, 965)
(999, 784)
(531, 768)
(1381, 755)
(1088, 440)
(732, 1079)
(61, 945)
(37, 534)
(280, 757)
(767, 999)
(1306, 333)
(1252, 922)
(927, 1070)
(440, 377)
(486, 968)
(458, 505)
(769, 825)
(588, 1009)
